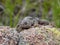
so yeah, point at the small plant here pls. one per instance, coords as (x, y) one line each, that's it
(9, 10)
(56, 12)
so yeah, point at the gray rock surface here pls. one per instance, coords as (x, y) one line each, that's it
(42, 35)
(39, 36)
(8, 36)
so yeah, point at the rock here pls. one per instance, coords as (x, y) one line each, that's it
(8, 36)
(42, 35)
(39, 36)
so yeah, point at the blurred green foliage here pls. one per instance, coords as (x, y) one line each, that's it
(56, 12)
(26, 6)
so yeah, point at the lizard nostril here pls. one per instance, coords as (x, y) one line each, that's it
(17, 26)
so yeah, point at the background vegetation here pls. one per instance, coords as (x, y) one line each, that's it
(16, 9)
